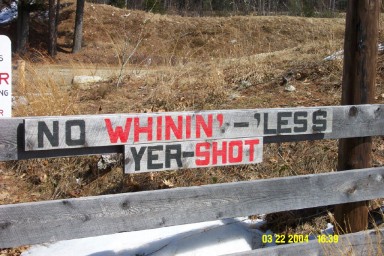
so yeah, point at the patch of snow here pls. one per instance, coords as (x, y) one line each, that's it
(289, 88)
(328, 230)
(340, 54)
(335, 56)
(86, 79)
(8, 14)
(206, 238)
(212, 238)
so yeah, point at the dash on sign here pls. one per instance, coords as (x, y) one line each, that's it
(241, 124)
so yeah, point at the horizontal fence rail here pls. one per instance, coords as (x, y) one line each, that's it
(135, 134)
(362, 243)
(293, 124)
(31, 223)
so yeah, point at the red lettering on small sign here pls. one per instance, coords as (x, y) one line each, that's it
(4, 77)
(1, 112)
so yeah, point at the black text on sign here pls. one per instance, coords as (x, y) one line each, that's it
(192, 154)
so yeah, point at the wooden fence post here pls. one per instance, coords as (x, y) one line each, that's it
(359, 76)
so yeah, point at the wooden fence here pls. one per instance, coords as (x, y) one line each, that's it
(161, 141)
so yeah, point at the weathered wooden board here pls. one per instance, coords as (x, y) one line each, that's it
(91, 131)
(192, 154)
(31, 223)
(348, 122)
(362, 243)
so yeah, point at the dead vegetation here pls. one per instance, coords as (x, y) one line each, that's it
(186, 63)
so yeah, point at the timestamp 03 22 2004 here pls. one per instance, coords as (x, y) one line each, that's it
(297, 238)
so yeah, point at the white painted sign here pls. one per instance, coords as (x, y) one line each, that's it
(45, 133)
(192, 154)
(5, 77)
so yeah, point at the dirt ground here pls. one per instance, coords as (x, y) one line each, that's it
(176, 63)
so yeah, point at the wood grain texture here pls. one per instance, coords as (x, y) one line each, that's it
(348, 121)
(30, 223)
(362, 243)
(10, 140)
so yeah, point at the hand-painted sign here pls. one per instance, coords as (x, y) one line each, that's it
(192, 154)
(130, 129)
(5, 77)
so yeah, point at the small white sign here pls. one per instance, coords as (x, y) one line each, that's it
(5, 77)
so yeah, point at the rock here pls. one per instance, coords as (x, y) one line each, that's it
(109, 161)
(289, 88)
(234, 96)
(19, 101)
(245, 84)
(81, 80)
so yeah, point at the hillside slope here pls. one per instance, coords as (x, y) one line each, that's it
(109, 32)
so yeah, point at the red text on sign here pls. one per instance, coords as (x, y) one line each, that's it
(4, 78)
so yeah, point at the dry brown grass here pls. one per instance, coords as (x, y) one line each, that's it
(172, 40)
(43, 96)
(196, 64)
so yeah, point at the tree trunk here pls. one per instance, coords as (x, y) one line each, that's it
(53, 19)
(78, 37)
(57, 16)
(359, 76)
(181, 6)
(22, 28)
(200, 7)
